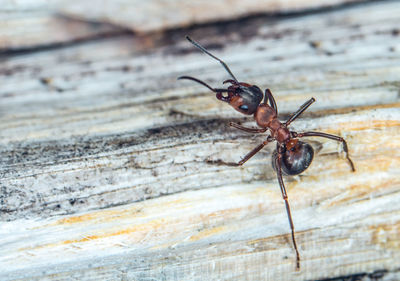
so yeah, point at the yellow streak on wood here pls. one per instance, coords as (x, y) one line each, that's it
(372, 165)
(254, 193)
(370, 124)
(380, 163)
(375, 164)
(76, 219)
(272, 242)
(221, 213)
(362, 125)
(110, 215)
(207, 232)
(348, 109)
(141, 229)
(103, 215)
(362, 190)
(386, 235)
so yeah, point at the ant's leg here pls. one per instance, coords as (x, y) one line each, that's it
(270, 97)
(328, 136)
(246, 157)
(254, 151)
(300, 111)
(285, 197)
(246, 129)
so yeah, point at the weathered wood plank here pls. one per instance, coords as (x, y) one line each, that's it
(150, 16)
(33, 29)
(107, 100)
(83, 131)
(348, 224)
(33, 24)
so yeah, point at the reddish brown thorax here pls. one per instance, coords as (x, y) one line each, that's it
(281, 135)
(265, 117)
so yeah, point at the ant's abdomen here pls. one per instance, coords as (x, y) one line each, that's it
(295, 160)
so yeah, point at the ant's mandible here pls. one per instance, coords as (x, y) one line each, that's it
(291, 156)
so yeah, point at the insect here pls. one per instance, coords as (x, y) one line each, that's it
(291, 156)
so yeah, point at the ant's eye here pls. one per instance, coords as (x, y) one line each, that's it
(244, 107)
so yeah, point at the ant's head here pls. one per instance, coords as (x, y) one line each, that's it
(241, 96)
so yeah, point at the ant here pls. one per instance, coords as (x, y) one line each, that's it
(291, 156)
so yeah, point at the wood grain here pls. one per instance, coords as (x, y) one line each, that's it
(153, 16)
(25, 30)
(105, 169)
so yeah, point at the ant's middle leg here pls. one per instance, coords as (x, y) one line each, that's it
(328, 136)
(246, 157)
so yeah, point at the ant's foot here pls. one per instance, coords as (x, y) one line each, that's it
(222, 163)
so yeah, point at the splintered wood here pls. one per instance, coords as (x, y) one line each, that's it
(106, 158)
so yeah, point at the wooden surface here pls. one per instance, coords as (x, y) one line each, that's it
(155, 15)
(105, 171)
(33, 23)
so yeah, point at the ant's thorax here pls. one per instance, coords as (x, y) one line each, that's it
(266, 117)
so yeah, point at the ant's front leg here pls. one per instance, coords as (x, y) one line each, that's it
(328, 136)
(247, 129)
(245, 158)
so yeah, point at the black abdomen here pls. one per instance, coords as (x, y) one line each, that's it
(296, 160)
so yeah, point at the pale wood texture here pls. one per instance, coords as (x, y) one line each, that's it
(37, 23)
(153, 15)
(23, 30)
(104, 172)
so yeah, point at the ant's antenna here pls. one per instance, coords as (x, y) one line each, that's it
(215, 90)
(211, 55)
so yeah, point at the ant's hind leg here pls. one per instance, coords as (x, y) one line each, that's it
(328, 136)
(299, 111)
(278, 163)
